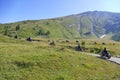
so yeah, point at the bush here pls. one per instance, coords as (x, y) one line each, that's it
(60, 78)
(95, 50)
(83, 45)
(23, 64)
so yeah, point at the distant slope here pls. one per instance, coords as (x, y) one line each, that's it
(92, 24)
(99, 23)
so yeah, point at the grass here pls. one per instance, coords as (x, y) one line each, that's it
(21, 60)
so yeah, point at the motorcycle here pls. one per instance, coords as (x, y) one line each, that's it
(105, 55)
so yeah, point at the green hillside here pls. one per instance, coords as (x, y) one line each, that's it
(22, 60)
(56, 28)
(92, 24)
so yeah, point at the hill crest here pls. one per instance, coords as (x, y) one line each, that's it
(91, 24)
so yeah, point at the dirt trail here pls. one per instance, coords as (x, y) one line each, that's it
(112, 59)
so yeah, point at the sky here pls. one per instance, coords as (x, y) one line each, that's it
(19, 10)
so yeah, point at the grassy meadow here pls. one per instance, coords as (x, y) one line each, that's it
(22, 60)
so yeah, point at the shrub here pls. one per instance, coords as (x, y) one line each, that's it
(23, 64)
(95, 50)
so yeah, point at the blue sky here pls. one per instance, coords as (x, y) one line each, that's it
(19, 10)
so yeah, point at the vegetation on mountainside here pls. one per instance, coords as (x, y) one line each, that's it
(85, 25)
(54, 28)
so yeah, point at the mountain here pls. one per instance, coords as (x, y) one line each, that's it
(99, 23)
(91, 24)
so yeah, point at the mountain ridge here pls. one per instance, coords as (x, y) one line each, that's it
(91, 24)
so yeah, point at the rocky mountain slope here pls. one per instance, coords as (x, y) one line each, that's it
(99, 23)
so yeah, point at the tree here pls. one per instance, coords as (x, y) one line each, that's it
(6, 30)
(43, 32)
(40, 32)
(18, 27)
(48, 32)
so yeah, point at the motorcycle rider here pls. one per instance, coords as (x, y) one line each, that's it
(105, 53)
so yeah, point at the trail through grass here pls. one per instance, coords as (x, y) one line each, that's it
(22, 60)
